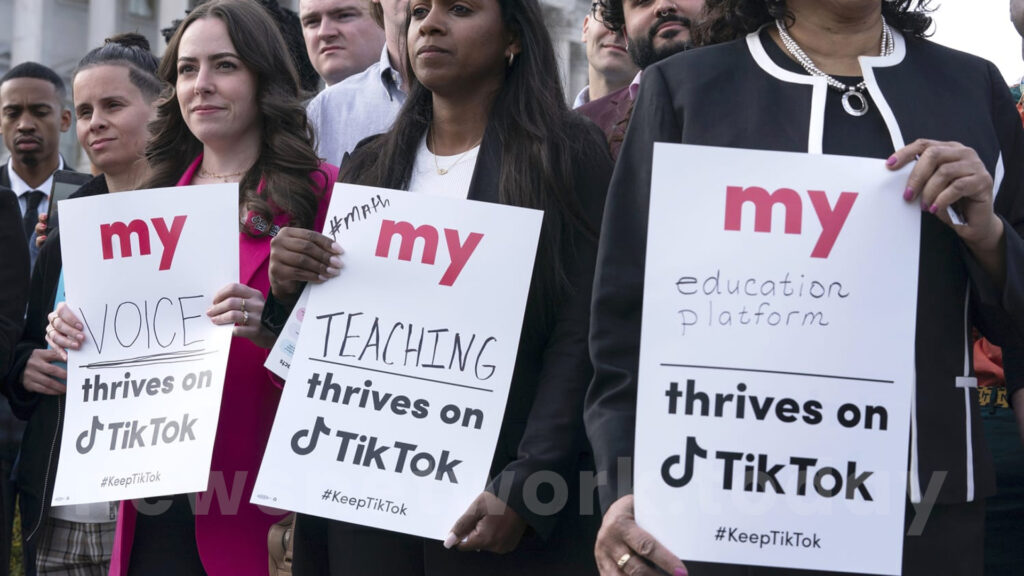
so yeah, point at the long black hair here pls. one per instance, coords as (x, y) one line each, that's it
(725, 20)
(539, 136)
(287, 158)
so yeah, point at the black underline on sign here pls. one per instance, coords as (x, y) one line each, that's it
(178, 357)
(806, 374)
(401, 375)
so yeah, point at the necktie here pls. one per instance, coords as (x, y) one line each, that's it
(31, 218)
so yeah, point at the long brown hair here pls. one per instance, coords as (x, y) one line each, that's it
(287, 157)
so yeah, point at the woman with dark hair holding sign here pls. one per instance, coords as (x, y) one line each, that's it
(486, 120)
(113, 87)
(234, 115)
(854, 78)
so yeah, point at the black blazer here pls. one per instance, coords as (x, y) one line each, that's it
(13, 276)
(5, 182)
(40, 444)
(731, 95)
(542, 429)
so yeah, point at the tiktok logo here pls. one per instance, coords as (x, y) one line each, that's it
(692, 450)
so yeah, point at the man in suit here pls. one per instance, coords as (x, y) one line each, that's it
(654, 31)
(14, 286)
(33, 116)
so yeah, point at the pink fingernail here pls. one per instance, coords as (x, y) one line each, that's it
(933, 209)
(908, 194)
(924, 205)
(890, 162)
(681, 572)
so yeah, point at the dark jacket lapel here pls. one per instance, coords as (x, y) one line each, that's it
(487, 173)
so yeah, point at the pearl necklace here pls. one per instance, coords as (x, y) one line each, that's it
(855, 103)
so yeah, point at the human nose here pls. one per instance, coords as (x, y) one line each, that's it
(665, 7)
(97, 122)
(327, 29)
(26, 123)
(432, 22)
(203, 81)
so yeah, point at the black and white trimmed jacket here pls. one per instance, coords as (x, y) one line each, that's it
(736, 95)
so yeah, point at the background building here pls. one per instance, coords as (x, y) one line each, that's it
(59, 32)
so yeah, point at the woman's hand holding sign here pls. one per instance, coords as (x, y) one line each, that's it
(489, 524)
(242, 306)
(623, 547)
(65, 331)
(949, 174)
(298, 256)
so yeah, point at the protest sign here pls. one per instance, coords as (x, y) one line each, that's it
(777, 359)
(401, 372)
(140, 270)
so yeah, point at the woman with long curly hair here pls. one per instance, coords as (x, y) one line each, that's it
(855, 78)
(486, 119)
(234, 115)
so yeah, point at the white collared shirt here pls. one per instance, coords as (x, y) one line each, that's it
(359, 106)
(21, 188)
(582, 98)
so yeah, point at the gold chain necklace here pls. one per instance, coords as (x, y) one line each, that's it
(204, 173)
(443, 171)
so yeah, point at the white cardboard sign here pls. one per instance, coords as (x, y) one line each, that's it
(398, 384)
(140, 270)
(777, 359)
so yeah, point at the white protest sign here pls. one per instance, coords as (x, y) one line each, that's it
(398, 384)
(140, 270)
(777, 359)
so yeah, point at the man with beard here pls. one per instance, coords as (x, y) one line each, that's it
(32, 116)
(654, 31)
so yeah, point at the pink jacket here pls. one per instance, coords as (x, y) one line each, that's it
(231, 533)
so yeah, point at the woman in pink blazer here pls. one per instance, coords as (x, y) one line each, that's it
(235, 115)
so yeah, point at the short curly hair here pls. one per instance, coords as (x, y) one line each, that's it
(725, 20)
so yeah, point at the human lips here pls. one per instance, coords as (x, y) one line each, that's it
(670, 25)
(430, 49)
(100, 143)
(614, 47)
(27, 142)
(205, 109)
(330, 48)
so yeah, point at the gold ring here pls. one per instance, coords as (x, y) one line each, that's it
(243, 305)
(245, 318)
(623, 559)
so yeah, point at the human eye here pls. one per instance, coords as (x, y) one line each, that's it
(311, 22)
(226, 65)
(84, 111)
(186, 68)
(419, 12)
(461, 10)
(346, 15)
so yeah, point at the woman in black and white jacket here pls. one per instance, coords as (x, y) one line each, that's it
(750, 90)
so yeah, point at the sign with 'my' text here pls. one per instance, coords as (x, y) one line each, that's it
(143, 392)
(777, 359)
(399, 378)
